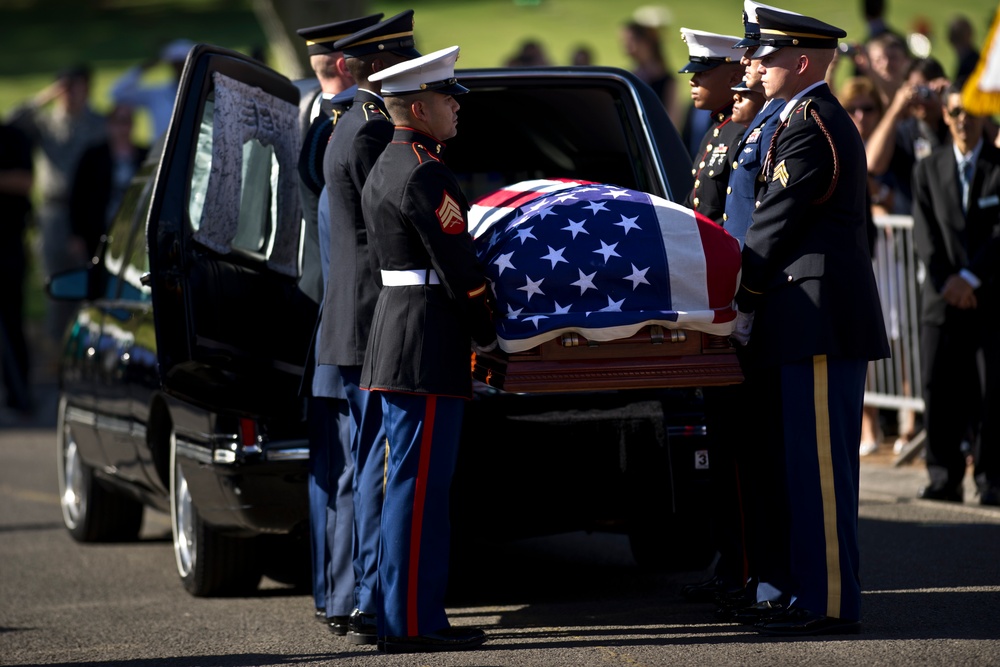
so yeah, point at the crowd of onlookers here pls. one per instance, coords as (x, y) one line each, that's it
(79, 162)
(894, 96)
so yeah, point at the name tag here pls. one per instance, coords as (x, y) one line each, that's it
(987, 202)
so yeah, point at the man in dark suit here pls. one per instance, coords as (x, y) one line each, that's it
(331, 473)
(349, 299)
(956, 232)
(809, 292)
(431, 307)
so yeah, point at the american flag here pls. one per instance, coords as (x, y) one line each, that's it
(602, 261)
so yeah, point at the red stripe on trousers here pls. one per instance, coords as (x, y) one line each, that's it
(419, 495)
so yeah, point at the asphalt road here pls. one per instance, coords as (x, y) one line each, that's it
(931, 573)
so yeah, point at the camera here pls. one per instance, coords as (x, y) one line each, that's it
(924, 93)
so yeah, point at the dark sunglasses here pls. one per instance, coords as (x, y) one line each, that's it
(956, 112)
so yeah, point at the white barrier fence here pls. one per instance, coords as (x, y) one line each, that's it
(895, 382)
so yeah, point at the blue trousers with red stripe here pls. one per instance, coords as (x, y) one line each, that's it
(368, 455)
(423, 433)
(821, 403)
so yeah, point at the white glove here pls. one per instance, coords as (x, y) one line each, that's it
(744, 322)
(488, 348)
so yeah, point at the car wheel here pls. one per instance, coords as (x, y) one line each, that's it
(91, 511)
(209, 563)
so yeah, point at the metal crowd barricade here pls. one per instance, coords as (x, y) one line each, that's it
(894, 383)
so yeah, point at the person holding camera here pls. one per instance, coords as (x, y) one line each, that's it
(910, 129)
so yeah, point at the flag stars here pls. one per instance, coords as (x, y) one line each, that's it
(503, 261)
(532, 287)
(608, 251)
(534, 319)
(525, 234)
(628, 224)
(560, 310)
(575, 227)
(544, 211)
(638, 277)
(613, 306)
(616, 193)
(512, 314)
(595, 206)
(555, 256)
(585, 282)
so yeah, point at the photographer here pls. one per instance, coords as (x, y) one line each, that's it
(910, 129)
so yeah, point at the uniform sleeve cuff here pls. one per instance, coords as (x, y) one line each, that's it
(970, 278)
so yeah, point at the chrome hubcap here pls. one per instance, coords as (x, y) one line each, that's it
(72, 496)
(185, 541)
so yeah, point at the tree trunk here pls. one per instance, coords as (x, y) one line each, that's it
(281, 18)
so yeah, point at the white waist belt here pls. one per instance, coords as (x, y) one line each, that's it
(410, 277)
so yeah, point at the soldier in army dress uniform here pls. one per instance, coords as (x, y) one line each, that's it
(431, 307)
(362, 134)
(811, 319)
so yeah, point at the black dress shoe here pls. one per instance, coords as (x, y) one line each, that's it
(940, 493)
(338, 625)
(361, 628)
(321, 614)
(446, 639)
(758, 612)
(736, 599)
(706, 591)
(798, 622)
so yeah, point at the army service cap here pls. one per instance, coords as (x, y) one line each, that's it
(434, 72)
(393, 34)
(322, 39)
(751, 24)
(707, 50)
(779, 29)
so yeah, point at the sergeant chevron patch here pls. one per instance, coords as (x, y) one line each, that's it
(781, 174)
(449, 214)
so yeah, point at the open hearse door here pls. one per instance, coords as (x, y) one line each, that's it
(224, 238)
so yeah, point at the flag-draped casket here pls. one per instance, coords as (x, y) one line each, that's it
(602, 287)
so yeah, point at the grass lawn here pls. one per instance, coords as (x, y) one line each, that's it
(37, 37)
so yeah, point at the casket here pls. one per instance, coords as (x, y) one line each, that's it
(654, 357)
(599, 287)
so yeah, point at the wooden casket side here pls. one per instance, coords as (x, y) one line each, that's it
(654, 357)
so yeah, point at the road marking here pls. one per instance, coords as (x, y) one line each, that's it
(29, 495)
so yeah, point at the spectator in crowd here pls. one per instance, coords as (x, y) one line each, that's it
(16, 178)
(643, 46)
(874, 14)
(887, 61)
(860, 99)
(530, 54)
(956, 230)
(156, 98)
(910, 129)
(960, 37)
(59, 134)
(101, 179)
(582, 55)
